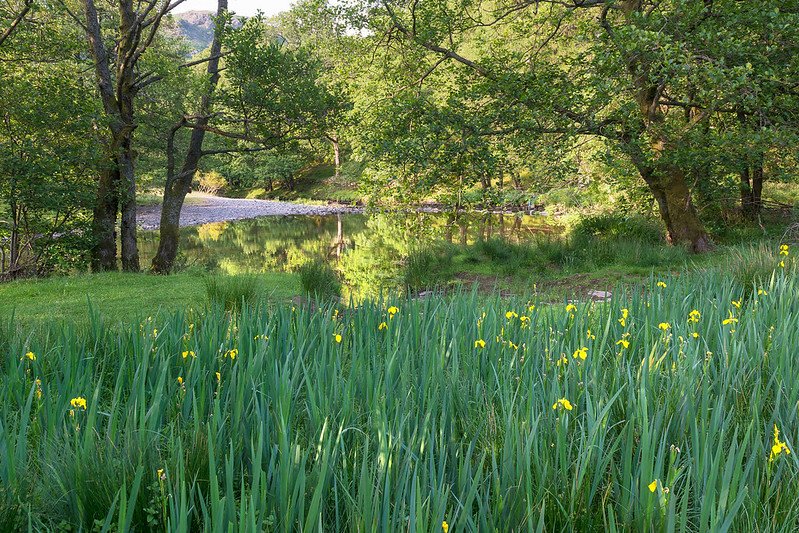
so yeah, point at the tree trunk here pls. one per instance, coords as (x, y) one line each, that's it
(169, 237)
(757, 185)
(175, 191)
(127, 204)
(336, 155)
(178, 186)
(104, 221)
(668, 186)
(138, 27)
(751, 185)
(13, 250)
(676, 209)
(747, 203)
(517, 182)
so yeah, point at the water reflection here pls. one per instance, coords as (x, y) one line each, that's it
(368, 250)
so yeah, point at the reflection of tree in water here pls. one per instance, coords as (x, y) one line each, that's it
(265, 244)
(212, 231)
(374, 262)
(369, 251)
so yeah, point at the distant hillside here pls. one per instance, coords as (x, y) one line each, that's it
(197, 27)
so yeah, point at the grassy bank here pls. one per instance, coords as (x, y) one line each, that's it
(596, 254)
(656, 411)
(119, 296)
(315, 184)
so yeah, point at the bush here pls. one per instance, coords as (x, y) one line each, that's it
(210, 182)
(425, 268)
(319, 280)
(232, 292)
(614, 226)
(508, 257)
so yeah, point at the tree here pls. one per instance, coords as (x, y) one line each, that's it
(14, 17)
(322, 27)
(269, 95)
(45, 112)
(655, 80)
(178, 185)
(119, 79)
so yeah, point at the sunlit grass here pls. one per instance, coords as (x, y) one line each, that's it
(119, 296)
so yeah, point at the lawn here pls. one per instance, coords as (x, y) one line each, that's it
(119, 296)
(672, 407)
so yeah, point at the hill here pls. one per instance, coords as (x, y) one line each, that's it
(196, 27)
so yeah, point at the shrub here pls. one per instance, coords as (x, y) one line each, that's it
(512, 258)
(614, 226)
(211, 182)
(319, 280)
(232, 292)
(425, 268)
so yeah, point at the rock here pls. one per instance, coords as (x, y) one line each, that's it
(600, 296)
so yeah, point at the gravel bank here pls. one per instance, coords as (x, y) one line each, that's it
(204, 209)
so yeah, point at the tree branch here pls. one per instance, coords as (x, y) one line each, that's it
(16, 21)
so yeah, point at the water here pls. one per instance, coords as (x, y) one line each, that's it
(368, 250)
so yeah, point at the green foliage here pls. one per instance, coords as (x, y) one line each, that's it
(468, 94)
(45, 149)
(233, 292)
(269, 438)
(319, 280)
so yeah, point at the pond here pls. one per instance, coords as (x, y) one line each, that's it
(367, 250)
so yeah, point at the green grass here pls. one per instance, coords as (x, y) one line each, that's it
(317, 184)
(319, 281)
(548, 263)
(597, 253)
(783, 192)
(119, 296)
(408, 422)
(155, 197)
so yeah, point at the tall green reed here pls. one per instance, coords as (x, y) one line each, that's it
(264, 420)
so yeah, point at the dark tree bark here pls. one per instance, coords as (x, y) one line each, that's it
(104, 251)
(677, 210)
(116, 188)
(757, 184)
(745, 187)
(669, 187)
(751, 187)
(178, 185)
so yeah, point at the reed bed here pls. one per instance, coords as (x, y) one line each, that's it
(655, 411)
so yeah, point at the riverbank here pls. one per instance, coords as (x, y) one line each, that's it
(203, 209)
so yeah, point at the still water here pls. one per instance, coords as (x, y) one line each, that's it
(367, 250)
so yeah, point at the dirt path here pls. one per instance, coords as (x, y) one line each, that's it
(202, 209)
